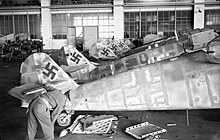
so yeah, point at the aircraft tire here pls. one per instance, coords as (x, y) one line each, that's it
(64, 119)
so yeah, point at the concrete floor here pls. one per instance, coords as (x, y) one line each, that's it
(203, 124)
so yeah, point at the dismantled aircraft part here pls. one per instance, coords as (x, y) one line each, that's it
(86, 124)
(102, 124)
(150, 37)
(46, 70)
(145, 131)
(64, 119)
(153, 52)
(97, 124)
(36, 70)
(39, 68)
(213, 50)
(190, 82)
(100, 50)
(74, 58)
(200, 37)
(75, 63)
(149, 56)
(186, 83)
(110, 50)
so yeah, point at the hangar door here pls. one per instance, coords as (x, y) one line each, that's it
(90, 36)
(71, 36)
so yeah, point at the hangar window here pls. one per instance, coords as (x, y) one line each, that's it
(132, 24)
(155, 1)
(59, 26)
(90, 19)
(162, 23)
(104, 21)
(166, 22)
(77, 21)
(183, 20)
(6, 25)
(148, 23)
(35, 25)
(78, 2)
(212, 19)
(21, 25)
(106, 28)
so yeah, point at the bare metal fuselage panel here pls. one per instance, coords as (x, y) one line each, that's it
(191, 82)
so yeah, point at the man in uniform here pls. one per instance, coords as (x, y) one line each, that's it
(39, 112)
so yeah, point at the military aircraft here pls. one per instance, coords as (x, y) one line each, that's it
(79, 67)
(127, 58)
(137, 82)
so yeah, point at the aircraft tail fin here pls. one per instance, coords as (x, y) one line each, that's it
(40, 68)
(71, 57)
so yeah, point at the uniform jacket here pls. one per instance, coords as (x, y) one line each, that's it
(57, 100)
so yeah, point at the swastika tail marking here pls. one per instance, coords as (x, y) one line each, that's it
(76, 57)
(105, 52)
(113, 47)
(50, 71)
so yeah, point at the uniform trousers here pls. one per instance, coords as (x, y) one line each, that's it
(39, 115)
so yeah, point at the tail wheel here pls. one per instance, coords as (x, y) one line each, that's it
(64, 119)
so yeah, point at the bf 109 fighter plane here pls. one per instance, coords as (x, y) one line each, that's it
(79, 67)
(152, 52)
(190, 82)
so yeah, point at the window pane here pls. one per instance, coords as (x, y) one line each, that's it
(212, 19)
(132, 24)
(183, 20)
(6, 24)
(21, 24)
(59, 26)
(148, 23)
(105, 26)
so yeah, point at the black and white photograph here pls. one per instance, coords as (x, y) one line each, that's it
(109, 70)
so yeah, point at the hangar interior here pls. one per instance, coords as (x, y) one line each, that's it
(48, 25)
(49, 19)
